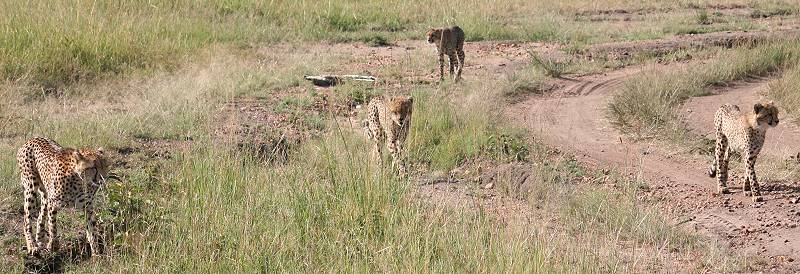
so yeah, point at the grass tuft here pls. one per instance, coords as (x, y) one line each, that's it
(550, 66)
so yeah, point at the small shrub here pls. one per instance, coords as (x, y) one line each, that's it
(524, 83)
(550, 66)
(506, 147)
(702, 17)
(376, 40)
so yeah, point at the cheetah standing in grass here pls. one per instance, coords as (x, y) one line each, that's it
(54, 177)
(450, 42)
(388, 121)
(744, 132)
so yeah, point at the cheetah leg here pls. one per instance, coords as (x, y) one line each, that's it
(52, 240)
(91, 229)
(721, 164)
(380, 141)
(460, 64)
(30, 207)
(441, 66)
(377, 153)
(750, 170)
(43, 209)
(452, 59)
(397, 161)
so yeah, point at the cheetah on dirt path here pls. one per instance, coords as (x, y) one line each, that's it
(743, 131)
(54, 177)
(450, 42)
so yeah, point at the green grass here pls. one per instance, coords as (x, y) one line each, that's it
(784, 91)
(55, 43)
(770, 8)
(337, 211)
(121, 75)
(552, 68)
(333, 211)
(212, 208)
(645, 106)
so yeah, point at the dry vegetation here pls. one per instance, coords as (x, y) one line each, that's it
(55, 42)
(646, 105)
(149, 81)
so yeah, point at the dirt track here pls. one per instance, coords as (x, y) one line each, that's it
(574, 121)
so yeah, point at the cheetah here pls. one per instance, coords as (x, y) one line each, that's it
(743, 131)
(450, 42)
(55, 177)
(388, 121)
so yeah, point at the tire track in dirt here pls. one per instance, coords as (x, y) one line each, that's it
(574, 120)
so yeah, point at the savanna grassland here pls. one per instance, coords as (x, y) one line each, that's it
(231, 162)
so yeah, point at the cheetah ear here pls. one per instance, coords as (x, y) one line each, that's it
(758, 107)
(410, 100)
(101, 150)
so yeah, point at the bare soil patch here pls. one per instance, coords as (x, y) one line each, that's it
(268, 127)
(621, 50)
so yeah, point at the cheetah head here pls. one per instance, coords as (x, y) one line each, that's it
(433, 35)
(92, 165)
(400, 108)
(766, 114)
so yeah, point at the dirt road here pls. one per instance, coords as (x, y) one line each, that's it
(574, 120)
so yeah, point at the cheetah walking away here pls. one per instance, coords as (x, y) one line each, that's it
(388, 121)
(743, 131)
(54, 177)
(450, 42)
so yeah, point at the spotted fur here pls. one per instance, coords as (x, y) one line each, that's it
(450, 42)
(54, 177)
(388, 121)
(744, 131)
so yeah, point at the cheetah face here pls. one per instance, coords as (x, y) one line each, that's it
(400, 109)
(766, 114)
(91, 166)
(433, 34)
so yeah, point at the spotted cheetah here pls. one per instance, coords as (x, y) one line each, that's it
(744, 132)
(54, 177)
(388, 121)
(450, 42)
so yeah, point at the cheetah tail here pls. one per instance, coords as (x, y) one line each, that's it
(712, 171)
